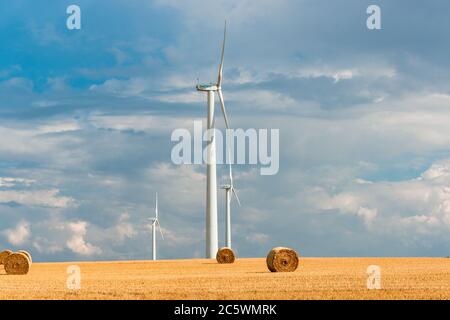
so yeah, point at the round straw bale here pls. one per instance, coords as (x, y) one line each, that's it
(27, 254)
(4, 255)
(225, 255)
(17, 263)
(282, 259)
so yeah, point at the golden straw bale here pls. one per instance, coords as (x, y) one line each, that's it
(27, 254)
(4, 255)
(225, 255)
(17, 264)
(282, 259)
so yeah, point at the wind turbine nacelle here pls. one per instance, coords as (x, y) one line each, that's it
(225, 186)
(207, 87)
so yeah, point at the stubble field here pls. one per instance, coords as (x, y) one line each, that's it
(316, 278)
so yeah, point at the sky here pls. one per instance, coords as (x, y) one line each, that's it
(86, 118)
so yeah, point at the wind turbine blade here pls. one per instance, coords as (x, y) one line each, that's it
(231, 173)
(219, 79)
(222, 105)
(160, 230)
(235, 194)
(156, 206)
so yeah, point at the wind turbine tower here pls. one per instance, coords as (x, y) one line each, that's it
(229, 191)
(211, 173)
(155, 223)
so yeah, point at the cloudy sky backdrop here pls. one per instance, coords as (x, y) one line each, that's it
(86, 118)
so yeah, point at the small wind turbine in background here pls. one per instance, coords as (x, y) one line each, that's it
(229, 191)
(155, 222)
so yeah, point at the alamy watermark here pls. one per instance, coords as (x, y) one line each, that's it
(73, 21)
(373, 277)
(73, 281)
(373, 22)
(252, 146)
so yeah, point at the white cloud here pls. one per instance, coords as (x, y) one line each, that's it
(240, 14)
(143, 122)
(176, 182)
(181, 237)
(347, 202)
(133, 87)
(44, 198)
(19, 235)
(419, 205)
(33, 141)
(124, 228)
(77, 242)
(418, 119)
(320, 71)
(258, 238)
(366, 70)
(184, 97)
(55, 235)
(46, 34)
(263, 99)
(59, 126)
(11, 182)
(362, 181)
(367, 214)
(436, 171)
(247, 98)
(43, 245)
(17, 83)
(343, 75)
(44, 103)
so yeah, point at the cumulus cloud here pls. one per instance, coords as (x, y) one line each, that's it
(17, 83)
(440, 170)
(43, 245)
(419, 205)
(45, 198)
(62, 234)
(179, 237)
(58, 127)
(347, 203)
(11, 182)
(263, 99)
(143, 122)
(123, 88)
(179, 182)
(124, 228)
(258, 238)
(239, 12)
(77, 242)
(18, 235)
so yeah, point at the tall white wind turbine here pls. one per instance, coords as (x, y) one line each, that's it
(211, 174)
(155, 223)
(229, 191)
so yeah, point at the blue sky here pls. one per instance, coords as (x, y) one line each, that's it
(86, 118)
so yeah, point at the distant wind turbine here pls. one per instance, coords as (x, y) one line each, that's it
(229, 191)
(211, 174)
(155, 222)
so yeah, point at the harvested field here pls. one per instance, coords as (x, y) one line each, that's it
(315, 278)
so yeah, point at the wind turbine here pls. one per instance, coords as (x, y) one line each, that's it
(229, 191)
(155, 222)
(211, 174)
